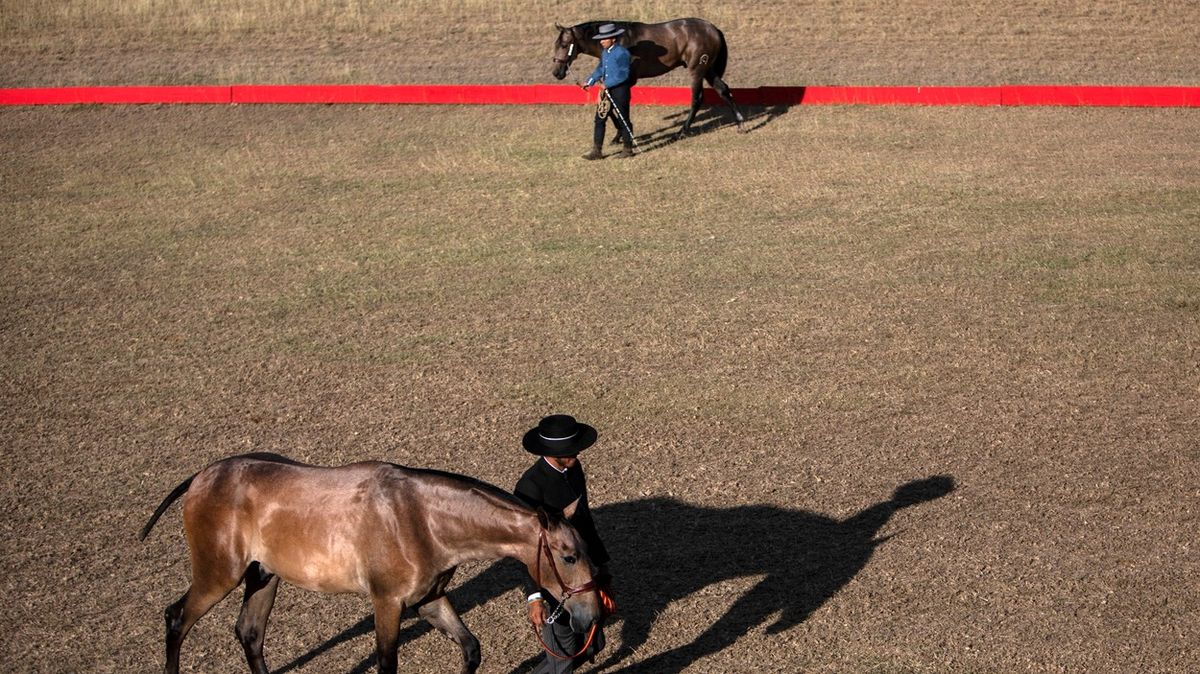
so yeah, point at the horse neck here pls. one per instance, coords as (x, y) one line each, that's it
(495, 532)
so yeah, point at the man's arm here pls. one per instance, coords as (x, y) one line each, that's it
(596, 75)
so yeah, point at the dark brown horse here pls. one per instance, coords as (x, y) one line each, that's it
(658, 48)
(393, 533)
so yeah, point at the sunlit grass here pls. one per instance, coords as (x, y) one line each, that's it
(218, 17)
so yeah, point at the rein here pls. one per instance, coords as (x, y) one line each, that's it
(568, 592)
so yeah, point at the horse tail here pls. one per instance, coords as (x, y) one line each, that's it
(162, 507)
(722, 59)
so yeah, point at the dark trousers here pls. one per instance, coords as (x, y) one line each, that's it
(619, 110)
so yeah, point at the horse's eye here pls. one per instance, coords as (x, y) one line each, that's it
(569, 559)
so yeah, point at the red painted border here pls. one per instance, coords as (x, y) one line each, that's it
(429, 94)
(538, 94)
(134, 95)
(1157, 97)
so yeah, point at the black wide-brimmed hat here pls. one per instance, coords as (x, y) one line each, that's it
(559, 435)
(607, 30)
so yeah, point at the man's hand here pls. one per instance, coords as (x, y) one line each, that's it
(537, 613)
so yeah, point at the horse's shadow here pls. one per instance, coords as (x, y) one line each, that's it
(709, 119)
(665, 550)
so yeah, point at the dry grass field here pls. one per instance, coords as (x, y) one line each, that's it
(793, 341)
(772, 42)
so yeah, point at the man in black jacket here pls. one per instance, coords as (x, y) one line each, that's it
(554, 482)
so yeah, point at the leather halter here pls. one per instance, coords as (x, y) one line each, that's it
(571, 49)
(543, 549)
(568, 591)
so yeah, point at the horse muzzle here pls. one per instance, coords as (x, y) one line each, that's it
(584, 611)
(580, 624)
(560, 71)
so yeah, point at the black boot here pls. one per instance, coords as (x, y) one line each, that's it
(594, 154)
(626, 151)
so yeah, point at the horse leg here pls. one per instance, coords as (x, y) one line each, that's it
(442, 615)
(697, 98)
(727, 96)
(387, 632)
(205, 592)
(251, 628)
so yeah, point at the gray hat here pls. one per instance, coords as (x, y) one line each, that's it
(608, 30)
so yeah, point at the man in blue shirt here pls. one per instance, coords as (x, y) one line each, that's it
(613, 73)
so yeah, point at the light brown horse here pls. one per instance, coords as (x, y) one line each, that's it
(658, 48)
(396, 534)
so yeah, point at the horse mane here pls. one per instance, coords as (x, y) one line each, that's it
(490, 492)
(589, 28)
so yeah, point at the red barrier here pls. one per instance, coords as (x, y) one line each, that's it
(115, 95)
(431, 94)
(902, 96)
(1152, 97)
(827, 96)
(557, 94)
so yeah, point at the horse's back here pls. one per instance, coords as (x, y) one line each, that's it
(316, 525)
(310, 524)
(690, 28)
(271, 473)
(661, 47)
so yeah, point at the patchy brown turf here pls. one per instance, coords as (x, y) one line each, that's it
(774, 332)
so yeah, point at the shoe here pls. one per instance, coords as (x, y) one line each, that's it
(625, 153)
(594, 154)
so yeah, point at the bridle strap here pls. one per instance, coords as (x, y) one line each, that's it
(568, 591)
(570, 54)
(543, 549)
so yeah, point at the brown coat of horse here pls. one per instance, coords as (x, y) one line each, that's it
(396, 534)
(658, 48)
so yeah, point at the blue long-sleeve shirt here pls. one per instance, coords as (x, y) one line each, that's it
(613, 67)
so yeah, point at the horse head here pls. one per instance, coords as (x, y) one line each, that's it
(562, 566)
(566, 49)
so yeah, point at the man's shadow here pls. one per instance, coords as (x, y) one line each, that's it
(665, 550)
(710, 118)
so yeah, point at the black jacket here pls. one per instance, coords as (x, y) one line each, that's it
(542, 485)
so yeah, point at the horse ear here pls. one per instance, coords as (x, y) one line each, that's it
(560, 28)
(569, 511)
(543, 517)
